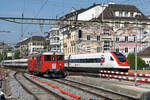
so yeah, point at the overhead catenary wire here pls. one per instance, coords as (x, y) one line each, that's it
(38, 12)
(23, 11)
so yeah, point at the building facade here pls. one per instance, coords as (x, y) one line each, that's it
(129, 25)
(4, 46)
(32, 45)
(5, 50)
(55, 40)
(116, 28)
(90, 39)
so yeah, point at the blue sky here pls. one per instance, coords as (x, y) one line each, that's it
(47, 9)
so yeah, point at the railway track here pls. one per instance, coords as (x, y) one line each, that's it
(97, 91)
(78, 87)
(37, 91)
(92, 92)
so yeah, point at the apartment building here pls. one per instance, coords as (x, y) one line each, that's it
(129, 25)
(4, 46)
(117, 29)
(55, 40)
(32, 45)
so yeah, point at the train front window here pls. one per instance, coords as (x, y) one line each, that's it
(120, 57)
(111, 58)
(47, 58)
(60, 58)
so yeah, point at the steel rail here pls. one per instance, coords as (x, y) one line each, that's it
(87, 91)
(44, 88)
(106, 90)
(25, 88)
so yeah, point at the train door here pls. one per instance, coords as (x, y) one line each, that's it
(54, 62)
(111, 59)
(60, 62)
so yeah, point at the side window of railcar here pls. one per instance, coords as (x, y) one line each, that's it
(59, 58)
(47, 58)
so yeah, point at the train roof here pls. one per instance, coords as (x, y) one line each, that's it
(52, 53)
(47, 53)
(91, 55)
(14, 60)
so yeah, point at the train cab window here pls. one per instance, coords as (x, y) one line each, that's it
(47, 58)
(111, 59)
(120, 57)
(53, 58)
(60, 58)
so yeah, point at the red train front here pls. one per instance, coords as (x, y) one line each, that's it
(48, 63)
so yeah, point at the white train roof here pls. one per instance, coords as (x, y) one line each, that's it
(91, 55)
(16, 60)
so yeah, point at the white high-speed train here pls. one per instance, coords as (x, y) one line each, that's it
(97, 61)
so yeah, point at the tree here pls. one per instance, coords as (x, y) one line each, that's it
(17, 54)
(1, 57)
(140, 62)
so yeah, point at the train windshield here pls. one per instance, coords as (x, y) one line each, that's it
(120, 57)
(47, 58)
(59, 58)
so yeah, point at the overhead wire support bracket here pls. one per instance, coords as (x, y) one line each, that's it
(43, 21)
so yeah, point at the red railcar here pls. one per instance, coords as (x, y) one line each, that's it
(47, 63)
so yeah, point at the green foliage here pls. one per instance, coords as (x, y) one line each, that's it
(140, 63)
(8, 58)
(17, 54)
(9, 49)
(1, 58)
